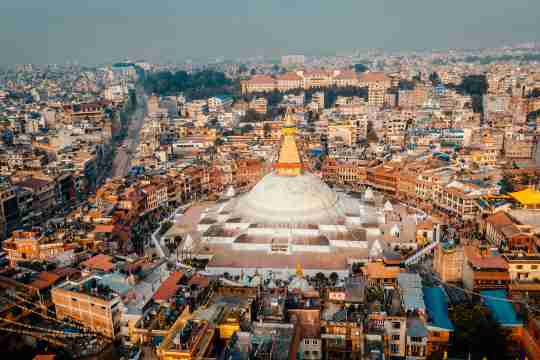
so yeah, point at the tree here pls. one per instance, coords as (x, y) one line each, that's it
(246, 128)
(477, 333)
(252, 116)
(506, 185)
(360, 68)
(320, 278)
(406, 84)
(473, 85)
(198, 85)
(334, 277)
(165, 227)
(434, 78)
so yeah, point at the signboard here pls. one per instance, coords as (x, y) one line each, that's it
(336, 295)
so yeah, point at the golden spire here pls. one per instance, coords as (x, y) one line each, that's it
(288, 120)
(299, 270)
(289, 162)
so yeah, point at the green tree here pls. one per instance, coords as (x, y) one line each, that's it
(473, 85)
(198, 85)
(406, 84)
(360, 68)
(476, 333)
(434, 78)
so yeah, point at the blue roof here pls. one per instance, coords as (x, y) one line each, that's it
(437, 308)
(502, 310)
(223, 97)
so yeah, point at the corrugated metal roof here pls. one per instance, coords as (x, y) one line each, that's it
(502, 310)
(437, 308)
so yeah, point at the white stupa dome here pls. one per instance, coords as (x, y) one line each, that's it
(230, 193)
(368, 195)
(388, 206)
(395, 230)
(301, 199)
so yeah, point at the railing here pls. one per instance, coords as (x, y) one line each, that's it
(415, 258)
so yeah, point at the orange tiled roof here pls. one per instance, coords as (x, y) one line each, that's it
(290, 76)
(99, 262)
(485, 262)
(44, 357)
(373, 76)
(377, 270)
(261, 79)
(169, 287)
(491, 275)
(499, 219)
(346, 74)
(104, 229)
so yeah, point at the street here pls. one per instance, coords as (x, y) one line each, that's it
(122, 160)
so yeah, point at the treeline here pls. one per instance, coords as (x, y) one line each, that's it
(199, 85)
(489, 59)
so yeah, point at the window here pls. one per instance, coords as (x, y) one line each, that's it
(519, 267)
(396, 325)
(394, 348)
(436, 334)
(534, 267)
(416, 339)
(395, 337)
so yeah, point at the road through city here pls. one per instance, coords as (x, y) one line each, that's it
(122, 160)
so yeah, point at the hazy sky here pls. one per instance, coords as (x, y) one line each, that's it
(96, 31)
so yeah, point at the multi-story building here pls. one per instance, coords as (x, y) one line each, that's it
(523, 266)
(342, 339)
(289, 81)
(288, 60)
(91, 303)
(30, 246)
(504, 232)
(93, 112)
(383, 178)
(448, 262)
(484, 270)
(260, 105)
(247, 172)
(519, 146)
(318, 98)
(43, 196)
(219, 103)
(9, 209)
(376, 94)
(407, 99)
(155, 195)
(417, 339)
(196, 107)
(315, 78)
(395, 328)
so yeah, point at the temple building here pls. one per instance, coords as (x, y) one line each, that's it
(292, 217)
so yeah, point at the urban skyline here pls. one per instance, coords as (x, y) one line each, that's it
(204, 180)
(60, 31)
